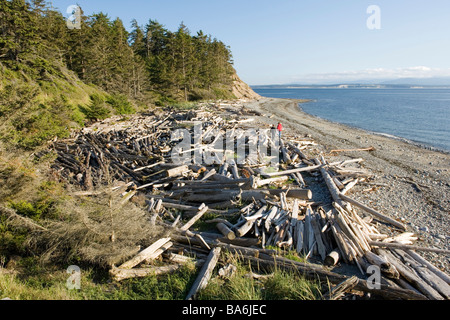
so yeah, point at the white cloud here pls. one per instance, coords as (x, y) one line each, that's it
(373, 74)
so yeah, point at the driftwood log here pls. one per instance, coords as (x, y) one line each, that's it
(205, 273)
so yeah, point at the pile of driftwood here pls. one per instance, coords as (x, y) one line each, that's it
(254, 211)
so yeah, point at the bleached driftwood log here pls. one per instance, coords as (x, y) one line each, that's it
(227, 232)
(337, 292)
(382, 244)
(415, 280)
(202, 210)
(120, 274)
(205, 273)
(174, 172)
(332, 258)
(372, 211)
(144, 254)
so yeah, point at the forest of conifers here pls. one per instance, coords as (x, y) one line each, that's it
(102, 52)
(53, 76)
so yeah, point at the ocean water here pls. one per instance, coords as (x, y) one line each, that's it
(419, 115)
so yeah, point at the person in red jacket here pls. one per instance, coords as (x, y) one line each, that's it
(279, 128)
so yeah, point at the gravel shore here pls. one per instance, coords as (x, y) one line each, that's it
(412, 183)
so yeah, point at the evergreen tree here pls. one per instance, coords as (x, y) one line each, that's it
(17, 29)
(136, 39)
(77, 47)
(184, 59)
(98, 63)
(121, 58)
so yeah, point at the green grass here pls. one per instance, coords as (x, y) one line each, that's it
(34, 281)
(278, 285)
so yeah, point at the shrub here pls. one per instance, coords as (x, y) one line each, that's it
(100, 231)
(97, 109)
(120, 104)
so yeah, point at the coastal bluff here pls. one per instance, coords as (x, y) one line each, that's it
(242, 90)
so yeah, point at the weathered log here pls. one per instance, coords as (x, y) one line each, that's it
(300, 234)
(241, 242)
(120, 274)
(158, 252)
(385, 267)
(178, 258)
(348, 186)
(302, 194)
(347, 230)
(149, 166)
(227, 232)
(403, 238)
(202, 210)
(338, 183)
(312, 272)
(332, 258)
(287, 172)
(411, 277)
(318, 237)
(205, 273)
(431, 267)
(208, 174)
(144, 254)
(334, 191)
(308, 168)
(220, 220)
(178, 171)
(372, 211)
(203, 242)
(234, 169)
(275, 180)
(346, 150)
(185, 207)
(309, 232)
(257, 214)
(337, 292)
(382, 244)
(246, 227)
(429, 277)
(340, 241)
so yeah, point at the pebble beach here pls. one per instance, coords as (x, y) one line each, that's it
(411, 183)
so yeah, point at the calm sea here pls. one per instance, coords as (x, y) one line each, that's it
(419, 115)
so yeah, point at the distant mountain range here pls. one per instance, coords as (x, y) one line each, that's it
(445, 81)
(371, 83)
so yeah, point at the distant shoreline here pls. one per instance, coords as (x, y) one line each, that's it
(414, 116)
(387, 135)
(344, 86)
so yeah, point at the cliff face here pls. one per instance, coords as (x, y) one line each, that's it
(242, 90)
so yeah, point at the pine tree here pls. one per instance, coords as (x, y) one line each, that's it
(184, 58)
(76, 48)
(17, 30)
(202, 44)
(98, 68)
(121, 58)
(136, 38)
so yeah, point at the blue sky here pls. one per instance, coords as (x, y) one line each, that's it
(306, 41)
